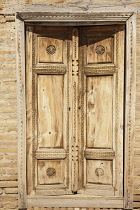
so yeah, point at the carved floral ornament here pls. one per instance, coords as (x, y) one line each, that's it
(51, 49)
(100, 49)
(51, 172)
(99, 172)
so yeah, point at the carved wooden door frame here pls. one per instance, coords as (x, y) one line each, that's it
(68, 19)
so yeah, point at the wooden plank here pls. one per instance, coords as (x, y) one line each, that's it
(29, 106)
(130, 110)
(21, 113)
(136, 162)
(99, 154)
(99, 111)
(75, 143)
(51, 154)
(103, 172)
(50, 111)
(76, 201)
(95, 49)
(137, 171)
(137, 152)
(50, 172)
(137, 145)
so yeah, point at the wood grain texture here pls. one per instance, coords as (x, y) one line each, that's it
(29, 107)
(136, 199)
(130, 111)
(77, 201)
(50, 50)
(47, 115)
(102, 172)
(50, 111)
(102, 114)
(100, 51)
(99, 111)
(21, 113)
(50, 172)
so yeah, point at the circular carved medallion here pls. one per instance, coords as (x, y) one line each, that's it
(100, 49)
(51, 49)
(51, 171)
(99, 172)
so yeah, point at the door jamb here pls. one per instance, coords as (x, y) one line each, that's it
(98, 18)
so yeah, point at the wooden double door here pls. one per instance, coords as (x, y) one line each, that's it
(74, 105)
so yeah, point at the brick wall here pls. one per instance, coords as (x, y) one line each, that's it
(8, 115)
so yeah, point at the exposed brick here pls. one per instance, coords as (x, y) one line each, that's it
(2, 171)
(9, 116)
(10, 204)
(8, 122)
(11, 157)
(1, 191)
(11, 143)
(8, 177)
(8, 150)
(1, 157)
(13, 171)
(7, 197)
(10, 18)
(8, 183)
(12, 130)
(8, 136)
(8, 164)
(11, 190)
(2, 19)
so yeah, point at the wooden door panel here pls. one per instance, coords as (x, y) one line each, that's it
(99, 50)
(101, 79)
(48, 102)
(49, 44)
(51, 172)
(99, 45)
(99, 111)
(99, 172)
(50, 111)
(50, 50)
(74, 85)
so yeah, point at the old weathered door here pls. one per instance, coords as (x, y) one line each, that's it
(101, 84)
(74, 103)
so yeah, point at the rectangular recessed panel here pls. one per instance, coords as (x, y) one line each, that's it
(99, 111)
(99, 172)
(50, 50)
(100, 50)
(50, 110)
(50, 172)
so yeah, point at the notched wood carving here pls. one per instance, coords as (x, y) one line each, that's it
(99, 154)
(75, 67)
(99, 172)
(51, 172)
(100, 49)
(75, 151)
(51, 49)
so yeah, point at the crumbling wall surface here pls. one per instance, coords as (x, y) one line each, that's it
(8, 95)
